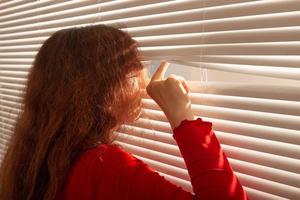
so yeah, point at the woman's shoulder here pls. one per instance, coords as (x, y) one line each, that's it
(107, 155)
(104, 159)
(106, 150)
(95, 167)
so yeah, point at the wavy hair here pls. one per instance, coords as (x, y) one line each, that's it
(79, 90)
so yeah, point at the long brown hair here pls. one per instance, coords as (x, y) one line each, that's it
(78, 91)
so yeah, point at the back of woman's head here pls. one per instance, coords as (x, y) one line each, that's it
(78, 92)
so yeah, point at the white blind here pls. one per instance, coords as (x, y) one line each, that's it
(257, 122)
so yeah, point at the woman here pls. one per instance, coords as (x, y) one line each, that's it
(86, 82)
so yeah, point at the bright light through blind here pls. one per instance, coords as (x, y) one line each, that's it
(257, 122)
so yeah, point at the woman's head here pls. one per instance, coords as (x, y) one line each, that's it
(85, 82)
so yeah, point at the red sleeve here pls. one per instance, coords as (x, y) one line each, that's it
(208, 167)
(210, 172)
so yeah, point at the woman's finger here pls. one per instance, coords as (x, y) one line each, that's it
(184, 83)
(160, 72)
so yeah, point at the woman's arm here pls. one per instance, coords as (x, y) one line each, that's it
(210, 173)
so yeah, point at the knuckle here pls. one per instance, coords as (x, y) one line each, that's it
(172, 79)
(149, 88)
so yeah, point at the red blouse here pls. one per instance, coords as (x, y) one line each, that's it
(107, 172)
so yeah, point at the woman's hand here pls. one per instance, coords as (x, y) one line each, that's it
(171, 95)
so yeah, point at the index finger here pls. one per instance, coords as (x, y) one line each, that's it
(160, 72)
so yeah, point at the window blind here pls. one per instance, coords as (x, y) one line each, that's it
(257, 122)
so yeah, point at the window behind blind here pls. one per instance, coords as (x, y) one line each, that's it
(250, 51)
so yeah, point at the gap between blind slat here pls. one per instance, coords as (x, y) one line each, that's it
(257, 90)
(6, 126)
(266, 48)
(275, 61)
(107, 15)
(144, 8)
(11, 80)
(6, 135)
(274, 20)
(15, 62)
(274, 161)
(6, 68)
(251, 22)
(28, 6)
(257, 194)
(10, 103)
(238, 128)
(238, 10)
(244, 36)
(9, 4)
(202, 109)
(15, 74)
(69, 5)
(267, 91)
(10, 111)
(189, 15)
(284, 149)
(11, 92)
(230, 139)
(243, 103)
(19, 86)
(269, 187)
(267, 71)
(91, 18)
(139, 9)
(236, 36)
(275, 72)
(248, 22)
(7, 121)
(234, 7)
(280, 176)
(252, 117)
(10, 116)
(40, 32)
